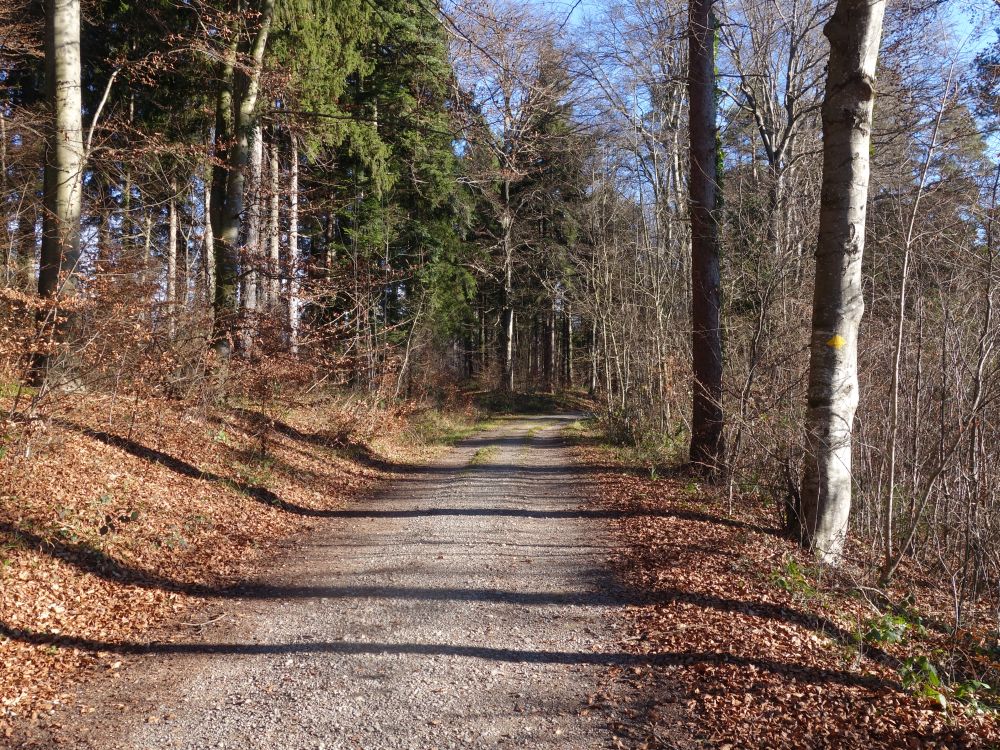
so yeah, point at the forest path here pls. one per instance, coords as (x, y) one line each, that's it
(464, 606)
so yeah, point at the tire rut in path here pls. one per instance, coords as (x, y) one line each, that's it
(462, 607)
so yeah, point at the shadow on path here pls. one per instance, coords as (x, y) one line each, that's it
(517, 656)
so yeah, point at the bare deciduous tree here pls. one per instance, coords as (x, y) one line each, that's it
(64, 163)
(854, 31)
(707, 450)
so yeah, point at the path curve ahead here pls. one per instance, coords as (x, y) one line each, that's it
(462, 607)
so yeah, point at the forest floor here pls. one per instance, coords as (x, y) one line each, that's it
(740, 641)
(257, 577)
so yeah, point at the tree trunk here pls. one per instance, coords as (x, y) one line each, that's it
(592, 389)
(147, 247)
(507, 319)
(64, 164)
(172, 262)
(224, 292)
(274, 229)
(854, 32)
(706, 338)
(235, 118)
(208, 241)
(293, 249)
(253, 241)
(508, 379)
(484, 360)
(568, 348)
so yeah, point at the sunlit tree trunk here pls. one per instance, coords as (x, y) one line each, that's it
(235, 118)
(64, 162)
(592, 387)
(171, 306)
(550, 348)
(208, 242)
(507, 319)
(568, 349)
(706, 338)
(274, 228)
(253, 245)
(854, 32)
(293, 249)
(224, 255)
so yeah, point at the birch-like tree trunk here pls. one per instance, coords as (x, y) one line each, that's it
(854, 31)
(706, 337)
(253, 244)
(208, 241)
(293, 248)
(172, 262)
(274, 227)
(507, 320)
(568, 322)
(64, 163)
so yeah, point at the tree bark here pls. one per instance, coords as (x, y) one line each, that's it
(568, 349)
(592, 389)
(172, 262)
(293, 249)
(64, 164)
(854, 32)
(253, 241)
(274, 228)
(550, 347)
(507, 319)
(706, 339)
(225, 261)
(235, 118)
(208, 241)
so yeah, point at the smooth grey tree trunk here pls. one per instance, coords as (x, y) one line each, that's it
(592, 389)
(274, 227)
(172, 262)
(293, 249)
(208, 241)
(568, 315)
(508, 317)
(64, 164)
(706, 337)
(854, 31)
(551, 348)
(253, 244)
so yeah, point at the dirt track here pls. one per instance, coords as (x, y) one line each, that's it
(462, 607)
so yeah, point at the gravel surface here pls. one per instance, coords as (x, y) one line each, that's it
(463, 607)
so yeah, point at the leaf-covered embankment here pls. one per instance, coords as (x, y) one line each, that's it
(748, 646)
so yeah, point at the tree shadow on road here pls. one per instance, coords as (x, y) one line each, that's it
(516, 656)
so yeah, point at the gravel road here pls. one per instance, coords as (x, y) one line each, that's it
(462, 607)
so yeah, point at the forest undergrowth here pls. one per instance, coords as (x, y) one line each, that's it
(750, 644)
(121, 516)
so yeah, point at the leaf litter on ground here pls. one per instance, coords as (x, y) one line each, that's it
(747, 644)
